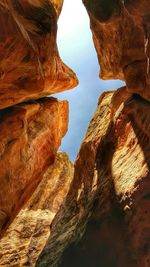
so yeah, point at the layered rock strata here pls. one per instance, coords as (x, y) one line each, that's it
(30, 66)
(114, 165)
(30, 136)
(31, 233)
(121, 31)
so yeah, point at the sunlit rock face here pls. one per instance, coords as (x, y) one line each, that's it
(113, 172)
(30, 66)
(46, 203)
(57, 5)
(30, 136)
(32, 233)
(121, 32)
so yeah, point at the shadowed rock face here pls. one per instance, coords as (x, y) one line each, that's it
(121, 32)
(103, 10)
(45, 202)
(30, 66)
(138, 8)
(113, 173)
(30, 136)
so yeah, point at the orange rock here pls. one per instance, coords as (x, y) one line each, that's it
(112, 185)
(32, 232)
(121, 31)
(30, 66)
(30, 136)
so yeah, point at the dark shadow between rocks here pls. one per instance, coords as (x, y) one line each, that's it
(103, 242)
(108, 240)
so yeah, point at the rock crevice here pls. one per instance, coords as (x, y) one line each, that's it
(94, 212)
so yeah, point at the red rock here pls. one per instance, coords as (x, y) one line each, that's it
(30, 66)
(32, 232)
(30, 137)
(111, 186)
(121, 32)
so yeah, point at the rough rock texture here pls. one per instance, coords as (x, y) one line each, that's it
(30, 66)
(57, 5)
(27, 236)
(112, 170)
(44, 205)
(121, 31)
(30, 135)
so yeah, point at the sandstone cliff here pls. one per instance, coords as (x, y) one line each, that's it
(30, 136)
(112, 167)
(108, 193)
(30, 66)
(31, 233)
(46, 203)
(112, 173)
(121, 32)
(34, 179)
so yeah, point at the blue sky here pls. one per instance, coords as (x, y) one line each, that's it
(77, 50)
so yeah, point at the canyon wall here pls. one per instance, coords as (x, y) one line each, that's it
(95, 212)
(112, 167)
(121, 36)
(34, 179)
(112, 171)
(30, 66)
(32, 229)
(30, 137)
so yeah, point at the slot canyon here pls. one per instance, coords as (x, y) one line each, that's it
(95, 211)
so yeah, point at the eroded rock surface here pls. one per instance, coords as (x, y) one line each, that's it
(30, 66)
(114, 164)
(30, 136)
(44, 207)
(121, 31)
(31, 232)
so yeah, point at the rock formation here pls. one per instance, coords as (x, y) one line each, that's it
(121, 32)
(30, 66)
(112, 172)
(30, 137)
(110, 189)
(31, 231)
(34, 179)
(47, 205)
(112, 167)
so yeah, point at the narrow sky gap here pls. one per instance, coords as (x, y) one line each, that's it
(77, 50)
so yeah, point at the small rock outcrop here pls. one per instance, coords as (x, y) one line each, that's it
(30, 136)
(32, 232)
(113, 171)
(30, 66)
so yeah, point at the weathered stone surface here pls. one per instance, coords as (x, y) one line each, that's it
(30, 135)
(121, 31)
(57, 5)
(32, 229)
(112, 170)
(30, 66)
